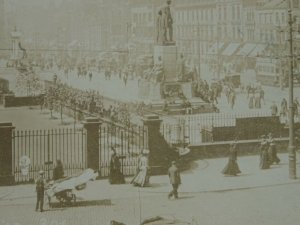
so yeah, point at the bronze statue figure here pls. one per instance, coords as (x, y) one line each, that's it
(164, 25)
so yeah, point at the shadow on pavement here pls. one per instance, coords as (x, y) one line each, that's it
(185, 197)
(104, 202)
(54, 209)
(156, 185)
(243, 175)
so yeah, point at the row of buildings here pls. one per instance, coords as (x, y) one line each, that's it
(199, 24)
(227, 34)
(203, 29)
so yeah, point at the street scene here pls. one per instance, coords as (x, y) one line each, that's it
(129, 112)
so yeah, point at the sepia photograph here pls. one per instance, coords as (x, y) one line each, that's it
(149, 112)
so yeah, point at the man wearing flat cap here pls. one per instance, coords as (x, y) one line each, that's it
(175, 180)
(40, 188)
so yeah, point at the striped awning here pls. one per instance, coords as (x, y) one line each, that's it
(246, 49)
(215, 48)
(258, 50)
(231, 49)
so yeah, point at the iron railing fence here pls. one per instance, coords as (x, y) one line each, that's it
(128, 143)
(191, 128)
(44, 147)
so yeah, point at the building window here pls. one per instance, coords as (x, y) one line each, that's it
(233, 12)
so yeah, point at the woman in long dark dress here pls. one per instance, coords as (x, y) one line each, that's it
(232, 168)
(115, 175)
(272, 151)
(264, 155)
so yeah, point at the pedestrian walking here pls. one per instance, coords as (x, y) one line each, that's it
(257, 100)
(264, 156)
(262, 95)
(175, 180)
(115, 175)
(232, 167)
(90, 75)
(251, 101)
(272, 150)
(274, 109)
(232, 99)
(141, 179)
(283, 109)
(40, 188)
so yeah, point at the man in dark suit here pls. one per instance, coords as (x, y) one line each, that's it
(40, 187)
(175, 180)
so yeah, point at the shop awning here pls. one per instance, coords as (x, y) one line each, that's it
(214, 49)
(258, 50)
(230, 49)
(246, 49)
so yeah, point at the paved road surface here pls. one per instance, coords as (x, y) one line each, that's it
(266, 197)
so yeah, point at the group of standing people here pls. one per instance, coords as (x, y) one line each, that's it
(268, 152)
(142, 176)
(268, 156)
(256, 96)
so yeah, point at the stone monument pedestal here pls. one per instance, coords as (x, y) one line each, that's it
(173, 95)
(168, 56)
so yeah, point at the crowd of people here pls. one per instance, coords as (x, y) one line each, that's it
(208, 93)
(85, 101)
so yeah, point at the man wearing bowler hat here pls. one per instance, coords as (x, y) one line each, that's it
(175, 180)
(40, 188)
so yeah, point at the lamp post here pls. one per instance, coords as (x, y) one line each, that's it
(291, 148)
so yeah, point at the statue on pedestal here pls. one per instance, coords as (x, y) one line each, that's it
(164, 25)
(160, 37)
(169, 22)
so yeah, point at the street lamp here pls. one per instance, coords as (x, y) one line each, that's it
(291, 148)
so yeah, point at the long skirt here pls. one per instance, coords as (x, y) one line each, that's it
(116, 177)
(141, 178)
(232, 168)
(264, 161)
(273, 156)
